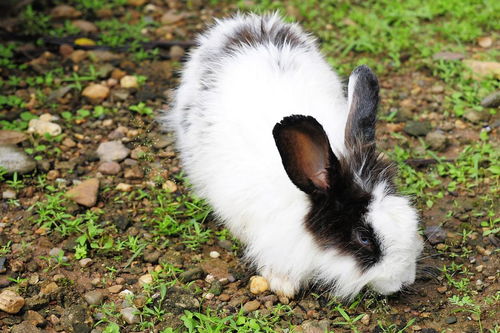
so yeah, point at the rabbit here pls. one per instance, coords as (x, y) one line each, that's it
(287, 161)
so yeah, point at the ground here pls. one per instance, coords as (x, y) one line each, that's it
(108, 237)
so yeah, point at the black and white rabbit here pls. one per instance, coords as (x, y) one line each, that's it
(288, 163)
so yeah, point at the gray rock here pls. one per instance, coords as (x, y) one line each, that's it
(191, 274)
(129, 315)
(187, 301)
(451, 320)
(9, 194)
(73, 315)
(417, 128)
(94, 297)
(448, 56)
(225, 244)
(120, 94)
(477, 117)
(14, 159)
(112, 151)
(152, 256)
(2, 264)
(492, 100)
(436, 139)
(54, 252)
(435, 234)
(109, 168)
(162, 141)
(81, 328)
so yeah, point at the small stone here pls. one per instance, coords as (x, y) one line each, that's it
(11, 137)
(214, 254)
(124, 187)
(479, 268)
(436, 139)
(68, 142)
(112, 151)
(115, 289)
(65, 50)
(451, 320)
(492, 100)
(176, 53)
(365, 320)
(49, 289)
(54, 252)
(78, 56)
(136, 3)
(85, 262)
(85, 193)
(129, 82)
(169, 186)
(11, 302)
(94, 297)
(208, 296)
(85, 26)
(96, 93)
(42, 127)
(191, 275)
(135, 172)
(251, 306)
(483, 69)
(130, 315)
(417, 128)
(125, 293)
(152, 256)
(258, 284)
(437, 89)
(145, 279)
(34, 318)
(9, 194)
(441, 247)
(485, 42)
(477, 117)
(109, 168)
(14, 159)
(25, 327)
(224, 297)
(448, 56)
(416, 328)
(170, 18)
(64, 11)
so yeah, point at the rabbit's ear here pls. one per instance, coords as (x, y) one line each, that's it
(305, 152)
(363, 98)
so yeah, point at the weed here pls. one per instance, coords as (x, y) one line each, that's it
(141, 109)
(34, 23)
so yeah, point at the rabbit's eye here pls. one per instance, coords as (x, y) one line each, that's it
(364, 240)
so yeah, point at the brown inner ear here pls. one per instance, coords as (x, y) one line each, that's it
(312, 158)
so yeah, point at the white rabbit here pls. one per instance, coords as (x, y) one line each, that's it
(288, 163)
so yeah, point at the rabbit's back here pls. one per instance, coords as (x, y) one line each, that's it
(247, 73)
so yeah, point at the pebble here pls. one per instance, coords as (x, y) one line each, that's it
(85, 26)
(417, 128)
(49, 289)
(176, 53)
(85, 262)
(54, 252)
(479, 268)
(171, 17)
(64, 11)
(485, 42)
(483, 69)
(214, 254)
(123, 187)
(96, 92)
(145, 279)
(436, 139)
(85, 193)
(437, 89)
(78, 56)
(34, 318)
(14, 159)
(435, 234)
(68, 142)
(258, 284)
(129, 82)
(492, 100)
(109, 168)
(152, 256)
(365, 320)
(11, 137)
(112, 151)
(11, 302)
(224, 297)
(25, 327)
(9, 194)
(169, 186)
(94, 297)
(477, 117)
(448, 56)
(442, 289)
(125, 293)
(251, 306)
(115, 289)
(135, 172)
(130, 315)
(451, 320)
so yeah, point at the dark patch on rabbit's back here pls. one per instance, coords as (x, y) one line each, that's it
(276, 33)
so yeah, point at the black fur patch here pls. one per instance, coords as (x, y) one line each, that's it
(278, 34)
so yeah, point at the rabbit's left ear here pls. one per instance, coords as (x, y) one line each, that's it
(363, 98)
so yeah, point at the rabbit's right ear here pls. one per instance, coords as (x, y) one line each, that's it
(306, 153)
(363, 98)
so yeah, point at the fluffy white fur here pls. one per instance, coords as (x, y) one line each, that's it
(230, 156)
